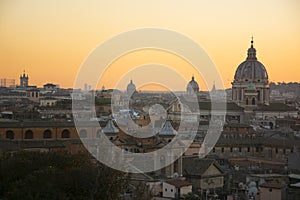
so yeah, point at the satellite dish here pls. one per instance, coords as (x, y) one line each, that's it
(253, 191)
(175, 175)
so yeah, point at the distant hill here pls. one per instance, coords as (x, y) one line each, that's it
(283, 87)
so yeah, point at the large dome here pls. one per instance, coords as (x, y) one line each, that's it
(192, 86)
(251, 70)
(131, 88)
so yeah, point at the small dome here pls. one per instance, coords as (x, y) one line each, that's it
(110, 127)
(167, 128)
(131, 88)
(251, 69)
(192, 86)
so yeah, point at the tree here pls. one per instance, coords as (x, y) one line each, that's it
(35, 175)
(190, 196)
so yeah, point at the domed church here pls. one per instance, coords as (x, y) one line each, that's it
(250, 86)
(130, 88)
(192, 87)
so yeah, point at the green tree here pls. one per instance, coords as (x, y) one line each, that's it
(191, 196)
(35, 175)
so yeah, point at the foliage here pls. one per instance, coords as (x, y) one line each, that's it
(190, 196)
(34, 175)
(102, 101)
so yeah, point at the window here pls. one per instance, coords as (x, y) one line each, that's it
(29, 134)
(276, 150)
(47, 134)
(65, 133)
(83, 133)
(240, 149)
(231, 149)
(222, 150)
(284, 151)
(257, 149)
(166, 189)
(98, 134)
(270, 153)
(253, 101)
(171, 190)
(162, 162)
(248, 149)
(10, 135)
(176, 165)
(214, 150)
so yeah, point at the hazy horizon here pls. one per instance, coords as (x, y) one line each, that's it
(50, 39)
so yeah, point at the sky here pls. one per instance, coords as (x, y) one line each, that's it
(50, 39)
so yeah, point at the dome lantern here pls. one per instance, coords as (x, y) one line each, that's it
(251, 70)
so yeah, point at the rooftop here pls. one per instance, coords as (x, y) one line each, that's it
(178, 183)
(272, 185)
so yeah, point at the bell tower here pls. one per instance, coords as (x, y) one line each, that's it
(23, 80)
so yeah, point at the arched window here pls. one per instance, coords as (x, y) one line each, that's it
(83, 133)
(176, 165)
(247, 101)
(28, 134)
(47, 134)
(253, 101)
(10, 134)
(65, 133)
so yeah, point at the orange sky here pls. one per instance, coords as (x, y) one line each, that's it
(51, 38)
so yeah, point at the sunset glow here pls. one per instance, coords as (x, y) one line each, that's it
(51, 38)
